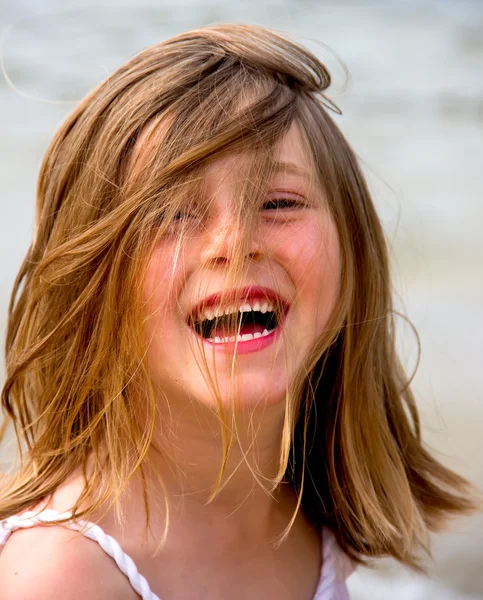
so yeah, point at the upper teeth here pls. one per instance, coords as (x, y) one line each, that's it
(219, 311)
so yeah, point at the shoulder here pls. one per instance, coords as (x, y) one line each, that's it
(47, 562)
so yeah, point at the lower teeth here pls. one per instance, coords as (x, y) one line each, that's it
(240, 338)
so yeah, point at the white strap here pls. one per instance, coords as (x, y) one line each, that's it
(336, 566)
(90, 530)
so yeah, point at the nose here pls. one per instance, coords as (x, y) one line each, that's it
(225, 238)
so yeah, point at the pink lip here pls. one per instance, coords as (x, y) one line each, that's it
(254, 345)
(245, 294)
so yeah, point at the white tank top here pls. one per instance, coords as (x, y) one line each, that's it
(336, 565)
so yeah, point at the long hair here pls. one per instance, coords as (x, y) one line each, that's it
(77, 372)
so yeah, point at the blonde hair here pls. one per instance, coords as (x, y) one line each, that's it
(75, 351)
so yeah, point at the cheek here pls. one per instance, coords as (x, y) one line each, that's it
(313, 253)
(162, 317)
(159, 291)
(313, 250)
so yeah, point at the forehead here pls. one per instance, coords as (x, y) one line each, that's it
(290, 157)
(292, 148)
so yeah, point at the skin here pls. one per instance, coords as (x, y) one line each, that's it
(296, 252)
(293, 250)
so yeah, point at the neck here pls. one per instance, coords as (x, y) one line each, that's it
(188, 451)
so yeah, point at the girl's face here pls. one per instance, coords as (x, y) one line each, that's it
(293, 257)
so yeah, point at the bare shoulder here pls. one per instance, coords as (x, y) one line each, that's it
(48, 562)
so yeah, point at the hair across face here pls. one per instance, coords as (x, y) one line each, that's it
(291, 258)
(158, 192)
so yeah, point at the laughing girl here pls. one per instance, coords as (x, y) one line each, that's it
(201, 364)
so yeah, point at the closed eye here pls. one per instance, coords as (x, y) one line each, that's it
(182, 216)
(282, 203)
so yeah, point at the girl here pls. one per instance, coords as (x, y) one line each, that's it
(201, 366)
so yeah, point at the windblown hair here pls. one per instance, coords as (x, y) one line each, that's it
(77, 372)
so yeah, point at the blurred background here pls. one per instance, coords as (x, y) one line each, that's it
(413, 111)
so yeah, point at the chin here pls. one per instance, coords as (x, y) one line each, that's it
(251, 394)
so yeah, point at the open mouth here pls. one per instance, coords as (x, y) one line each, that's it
(252, 319)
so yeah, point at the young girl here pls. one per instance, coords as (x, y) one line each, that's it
(201, 365)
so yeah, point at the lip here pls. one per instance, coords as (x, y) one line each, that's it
(247, 347)
(244, 295)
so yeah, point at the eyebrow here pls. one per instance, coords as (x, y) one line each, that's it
(290, 167)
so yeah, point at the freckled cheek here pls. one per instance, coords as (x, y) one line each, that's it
(160, 289)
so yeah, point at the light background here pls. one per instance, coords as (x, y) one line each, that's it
(413, 112)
